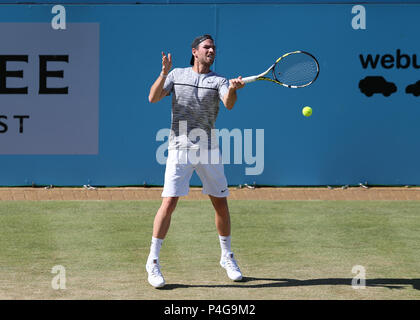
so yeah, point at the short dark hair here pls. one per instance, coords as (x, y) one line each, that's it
(197, 41)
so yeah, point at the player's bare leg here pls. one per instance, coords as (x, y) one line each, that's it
(163, 217)
(222, 219)
(160, 229)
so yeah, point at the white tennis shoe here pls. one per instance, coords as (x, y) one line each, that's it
(229, 263)
(155, 277)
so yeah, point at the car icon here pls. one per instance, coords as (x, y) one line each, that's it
(376, 84)
(414, 89)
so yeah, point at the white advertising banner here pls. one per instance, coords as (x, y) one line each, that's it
(49, 88)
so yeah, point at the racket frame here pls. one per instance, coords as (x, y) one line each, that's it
(261, 76)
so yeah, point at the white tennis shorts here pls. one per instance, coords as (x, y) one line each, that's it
(180, 166)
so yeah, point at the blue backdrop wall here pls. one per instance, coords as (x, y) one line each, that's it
(103, 130)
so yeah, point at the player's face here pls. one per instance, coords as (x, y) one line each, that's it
(205, 52)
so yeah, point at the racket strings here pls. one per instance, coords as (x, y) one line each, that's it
(296, 70)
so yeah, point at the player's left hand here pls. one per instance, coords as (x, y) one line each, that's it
(236, 83)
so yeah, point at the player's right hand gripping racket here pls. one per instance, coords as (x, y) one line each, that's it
(295, 69)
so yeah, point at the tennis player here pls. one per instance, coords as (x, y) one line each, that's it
(196, 94)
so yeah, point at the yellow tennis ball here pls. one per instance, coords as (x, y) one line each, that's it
(307, 111)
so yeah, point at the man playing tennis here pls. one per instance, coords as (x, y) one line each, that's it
(196, 94)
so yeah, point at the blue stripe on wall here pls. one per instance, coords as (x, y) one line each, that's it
(350, 138)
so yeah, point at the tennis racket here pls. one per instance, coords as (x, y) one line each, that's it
(295, 69)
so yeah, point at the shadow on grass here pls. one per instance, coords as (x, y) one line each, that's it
(246, 283)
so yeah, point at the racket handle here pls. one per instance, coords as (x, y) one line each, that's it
(250, 79)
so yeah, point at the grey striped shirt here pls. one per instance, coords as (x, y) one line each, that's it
(195, 105)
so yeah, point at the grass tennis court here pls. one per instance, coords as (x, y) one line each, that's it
(286, 250)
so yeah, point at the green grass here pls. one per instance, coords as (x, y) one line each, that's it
(286, 250)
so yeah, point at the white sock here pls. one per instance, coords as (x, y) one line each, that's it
(225, 244)
(155, 249)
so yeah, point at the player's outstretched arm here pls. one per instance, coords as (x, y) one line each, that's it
(230, 97)
(156, 91)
